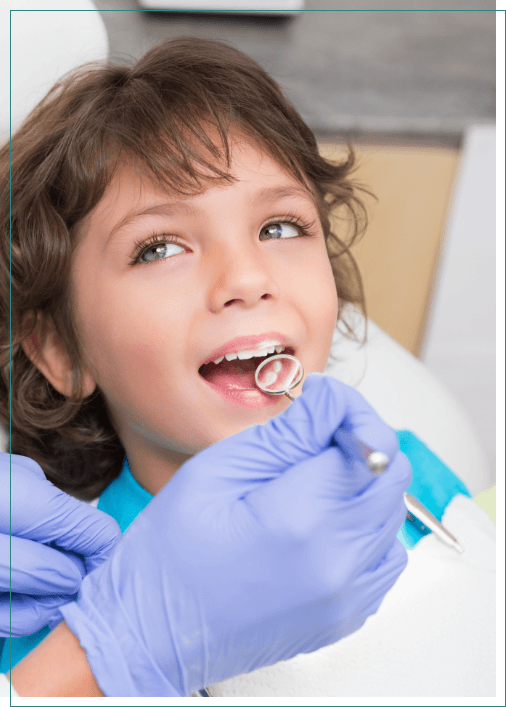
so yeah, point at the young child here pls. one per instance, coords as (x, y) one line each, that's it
(170, 228)
(135, 193)
(163, 216)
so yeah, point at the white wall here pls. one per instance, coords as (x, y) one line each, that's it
(459, 346)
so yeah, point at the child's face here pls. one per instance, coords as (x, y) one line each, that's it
(148, 328)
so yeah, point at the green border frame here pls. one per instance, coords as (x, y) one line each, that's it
(501, 433)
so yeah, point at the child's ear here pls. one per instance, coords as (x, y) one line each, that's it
(49, 355)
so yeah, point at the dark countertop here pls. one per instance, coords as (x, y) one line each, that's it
(422, 75)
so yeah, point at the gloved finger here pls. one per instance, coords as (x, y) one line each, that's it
(39, 511)
(23, 486)
(360, 423)
(26, 615)
(375, 583)
(383, 497)
(381, 538)
(25, 490)
(35, 509)
(368, 549)
(388, 490)
(29, 567)
(8, 461)
(358, 416)
(368, 589)
(79, 528)
(73, 557)
(309, 495)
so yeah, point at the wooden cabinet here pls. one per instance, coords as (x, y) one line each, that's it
(398, 253)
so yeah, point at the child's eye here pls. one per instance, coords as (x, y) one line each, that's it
(286, 227)
(156, 248)
(279, 230)
(162, 250)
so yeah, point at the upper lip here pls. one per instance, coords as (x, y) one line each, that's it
(248, 343)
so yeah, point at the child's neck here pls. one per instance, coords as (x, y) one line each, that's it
(151, 470)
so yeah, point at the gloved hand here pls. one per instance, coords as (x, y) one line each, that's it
(42, 518)
(262, 546)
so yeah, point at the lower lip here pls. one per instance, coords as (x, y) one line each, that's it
(250, 398)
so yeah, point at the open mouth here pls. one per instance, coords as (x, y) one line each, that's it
(236, 374)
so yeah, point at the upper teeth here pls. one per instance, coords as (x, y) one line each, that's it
(250, 354)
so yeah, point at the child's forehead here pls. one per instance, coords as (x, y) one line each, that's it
(249, 163)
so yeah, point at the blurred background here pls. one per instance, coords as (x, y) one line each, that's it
(413, 90)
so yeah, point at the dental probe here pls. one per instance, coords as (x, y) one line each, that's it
(424, 516)
(376, 461)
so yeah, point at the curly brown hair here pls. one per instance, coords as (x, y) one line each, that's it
(154, 115)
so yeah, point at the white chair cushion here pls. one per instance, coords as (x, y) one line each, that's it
(45, 45)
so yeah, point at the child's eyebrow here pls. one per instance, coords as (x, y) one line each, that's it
(266, 195)
(271, 194)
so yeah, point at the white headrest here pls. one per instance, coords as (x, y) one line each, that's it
(44, 45)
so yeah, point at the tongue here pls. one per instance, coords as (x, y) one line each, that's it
(233, 374)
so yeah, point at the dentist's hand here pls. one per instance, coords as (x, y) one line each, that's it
(265, 545)
(42, 518)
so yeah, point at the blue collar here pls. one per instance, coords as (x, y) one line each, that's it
(124, 498)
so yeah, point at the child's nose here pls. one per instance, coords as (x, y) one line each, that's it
(240, 275)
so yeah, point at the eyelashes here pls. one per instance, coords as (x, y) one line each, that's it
(145, 244)
(305, 229)
(158, 239)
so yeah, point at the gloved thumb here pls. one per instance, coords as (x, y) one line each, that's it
(36, 510)
(360, 432)
(261, 453)
(304, 495)
(330, 413)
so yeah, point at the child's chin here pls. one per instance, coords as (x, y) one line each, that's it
(260, 415)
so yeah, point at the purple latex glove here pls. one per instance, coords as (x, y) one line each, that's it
(56, 540)
(269, 543)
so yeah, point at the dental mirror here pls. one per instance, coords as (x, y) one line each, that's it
(280, 374)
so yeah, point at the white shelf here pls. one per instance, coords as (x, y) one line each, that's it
(280, 7)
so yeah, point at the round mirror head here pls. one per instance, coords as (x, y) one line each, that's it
(279, 374)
